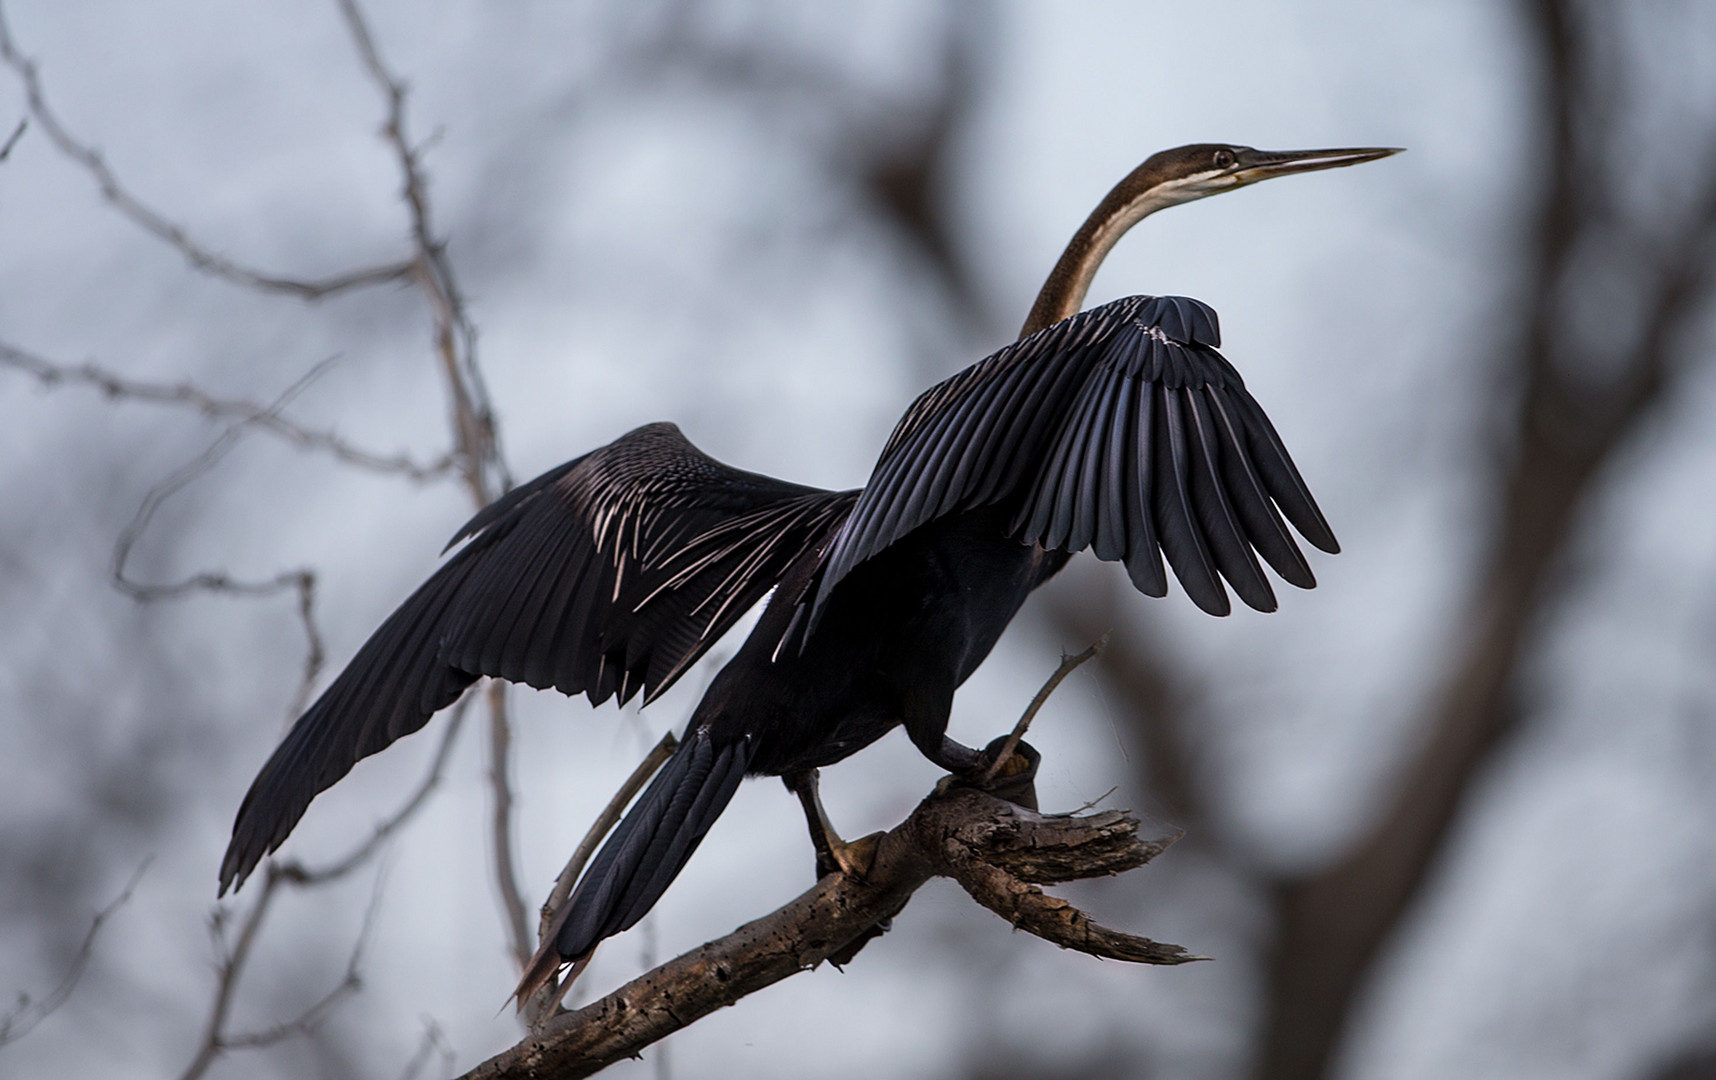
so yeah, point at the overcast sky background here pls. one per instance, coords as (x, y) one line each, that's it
(638, 248)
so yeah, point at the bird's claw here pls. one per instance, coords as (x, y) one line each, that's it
(1014, 781)
(853, 858)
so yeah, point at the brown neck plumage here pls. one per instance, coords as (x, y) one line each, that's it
(1144, 191)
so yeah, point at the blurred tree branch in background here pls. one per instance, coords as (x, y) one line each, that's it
(475, 456)
(1565, 411)
(1564, 415)
(27, 1012)
(896, 153)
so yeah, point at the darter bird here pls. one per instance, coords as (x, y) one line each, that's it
(1120, 429)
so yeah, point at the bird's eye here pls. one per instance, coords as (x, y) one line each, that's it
(1224, 159)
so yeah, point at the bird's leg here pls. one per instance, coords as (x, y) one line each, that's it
(833, 855)
(1015, 781)
(957, 758)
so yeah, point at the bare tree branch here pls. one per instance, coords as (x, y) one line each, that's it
(1155, 697)
(475, 439)
(24, 1016)
(302, 580)
(1068, 665)
(455, 338)
(434, 1043)
(264, 417)
(229, 967)
(545, 1000)
(604, 823)
(158, 224)
(500, 826)
(12, 139)
(475, 456)
(995, 849)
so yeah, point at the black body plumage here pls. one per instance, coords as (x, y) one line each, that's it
(1121, 429)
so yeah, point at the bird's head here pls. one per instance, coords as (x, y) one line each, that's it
(1202, 169)
(1168, 179)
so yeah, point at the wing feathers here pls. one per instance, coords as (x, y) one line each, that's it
(1182, 540)
(1282, 477)
(1144, 548)
(1227, 541)
(1263, 524)
(609, 575)
(1120, 429)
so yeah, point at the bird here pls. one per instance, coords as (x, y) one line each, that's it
(1121, 429)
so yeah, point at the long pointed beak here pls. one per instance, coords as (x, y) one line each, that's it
(1255, 165)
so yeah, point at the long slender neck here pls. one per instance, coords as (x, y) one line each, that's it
(1135, 198)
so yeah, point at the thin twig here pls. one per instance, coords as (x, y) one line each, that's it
(228, 970)
(1069, 664)
(454, 336)
(604, 822)
(158, 224)
(315, 652)
(307, 1021)
(1091, 804)
(12, 139)
(433, 1041)
(542, 1003)
(176, 481)
(302, 580)
(475, 457)
(264, 417)
(475, 435)
(230, 967)
(500, 822)
(278, 873)
(303, 876)
(27, 1014)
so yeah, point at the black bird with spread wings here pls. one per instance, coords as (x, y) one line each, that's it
(1121, 429)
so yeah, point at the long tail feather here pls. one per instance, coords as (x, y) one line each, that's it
(645, 853)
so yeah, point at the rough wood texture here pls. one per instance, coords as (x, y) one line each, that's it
(995, 849)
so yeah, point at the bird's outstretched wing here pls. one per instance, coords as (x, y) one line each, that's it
(1121, 429)
(606, 576)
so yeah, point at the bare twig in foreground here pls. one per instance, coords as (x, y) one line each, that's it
(604, 823)
(216, 1040)
(994, 849)
(1069, 664)
(27, 1014)
(543, 1002)
(513, 912)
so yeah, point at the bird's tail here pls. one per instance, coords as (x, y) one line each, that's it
(645, 853)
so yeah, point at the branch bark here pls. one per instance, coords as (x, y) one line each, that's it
(997, 851)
